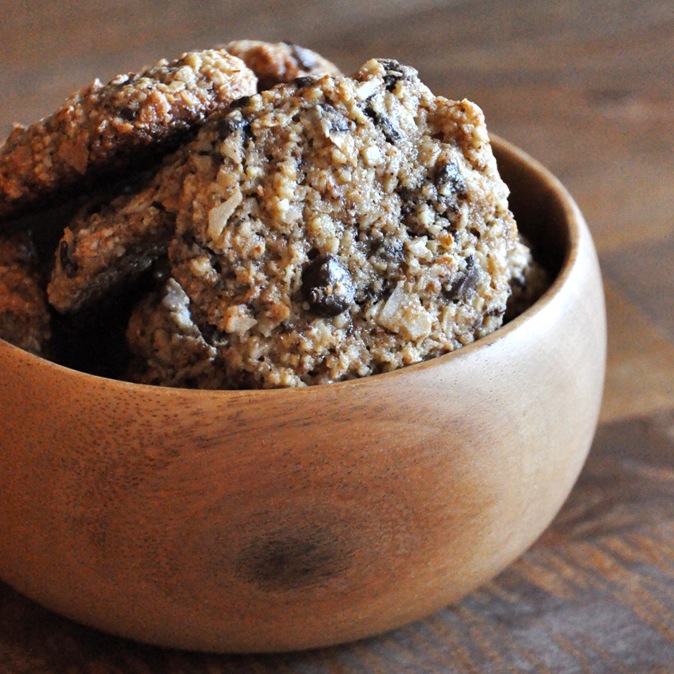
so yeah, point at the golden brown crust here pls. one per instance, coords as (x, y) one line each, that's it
(104, 251)
(104, 127)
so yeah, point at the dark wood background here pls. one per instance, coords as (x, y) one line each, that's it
(587, 87)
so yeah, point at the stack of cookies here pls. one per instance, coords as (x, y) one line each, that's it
(248, 217)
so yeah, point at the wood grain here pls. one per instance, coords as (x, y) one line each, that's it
(249, 521)
(585, 87)
(594, 595)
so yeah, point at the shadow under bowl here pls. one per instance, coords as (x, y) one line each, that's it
(242, 521)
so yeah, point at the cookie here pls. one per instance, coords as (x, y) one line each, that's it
(339, 228)
(24, 316)
(167, 346)
(275, 63)
(108, 245)
(105, 128)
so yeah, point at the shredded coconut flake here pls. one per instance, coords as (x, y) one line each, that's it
(218, 216)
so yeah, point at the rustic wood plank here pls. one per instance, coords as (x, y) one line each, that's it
(645, 272)
(640, 370)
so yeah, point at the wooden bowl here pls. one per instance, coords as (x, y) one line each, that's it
(287, 519)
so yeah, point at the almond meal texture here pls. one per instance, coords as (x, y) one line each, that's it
(107, 127)
(329, 229)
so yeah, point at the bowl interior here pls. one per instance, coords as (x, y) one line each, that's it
(539, 204)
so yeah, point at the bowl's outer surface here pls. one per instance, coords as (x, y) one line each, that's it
(273, 520)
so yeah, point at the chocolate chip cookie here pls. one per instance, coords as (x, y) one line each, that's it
(105, 128)
(339, 227)
(106, 247)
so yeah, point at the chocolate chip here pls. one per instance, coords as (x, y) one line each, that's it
(390, 81)
(68, 262)
(391, 64)
(240, 102)
(327, 286)
(405, 193)
(390, 250)
(407, 201)
(335, 119)
(306, 81)
(449, 180)
(387, 127)
(394, 73)
(127, 114)
(464, 282)
(232, 123)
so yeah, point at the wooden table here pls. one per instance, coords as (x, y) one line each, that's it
(585, 86)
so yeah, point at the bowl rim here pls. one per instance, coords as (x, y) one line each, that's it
(574, 222)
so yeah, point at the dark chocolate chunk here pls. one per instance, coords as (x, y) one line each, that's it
(464, 282)
(449, 180)
(327, 286)
(407, 202)
(390, 132)
(232, 123)
(335, 119)
(304, 57)
(128, 114)
(390, 81)
(390, 250)
(391, 65)
(394, 73)
(306, 81)
(240, 102)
